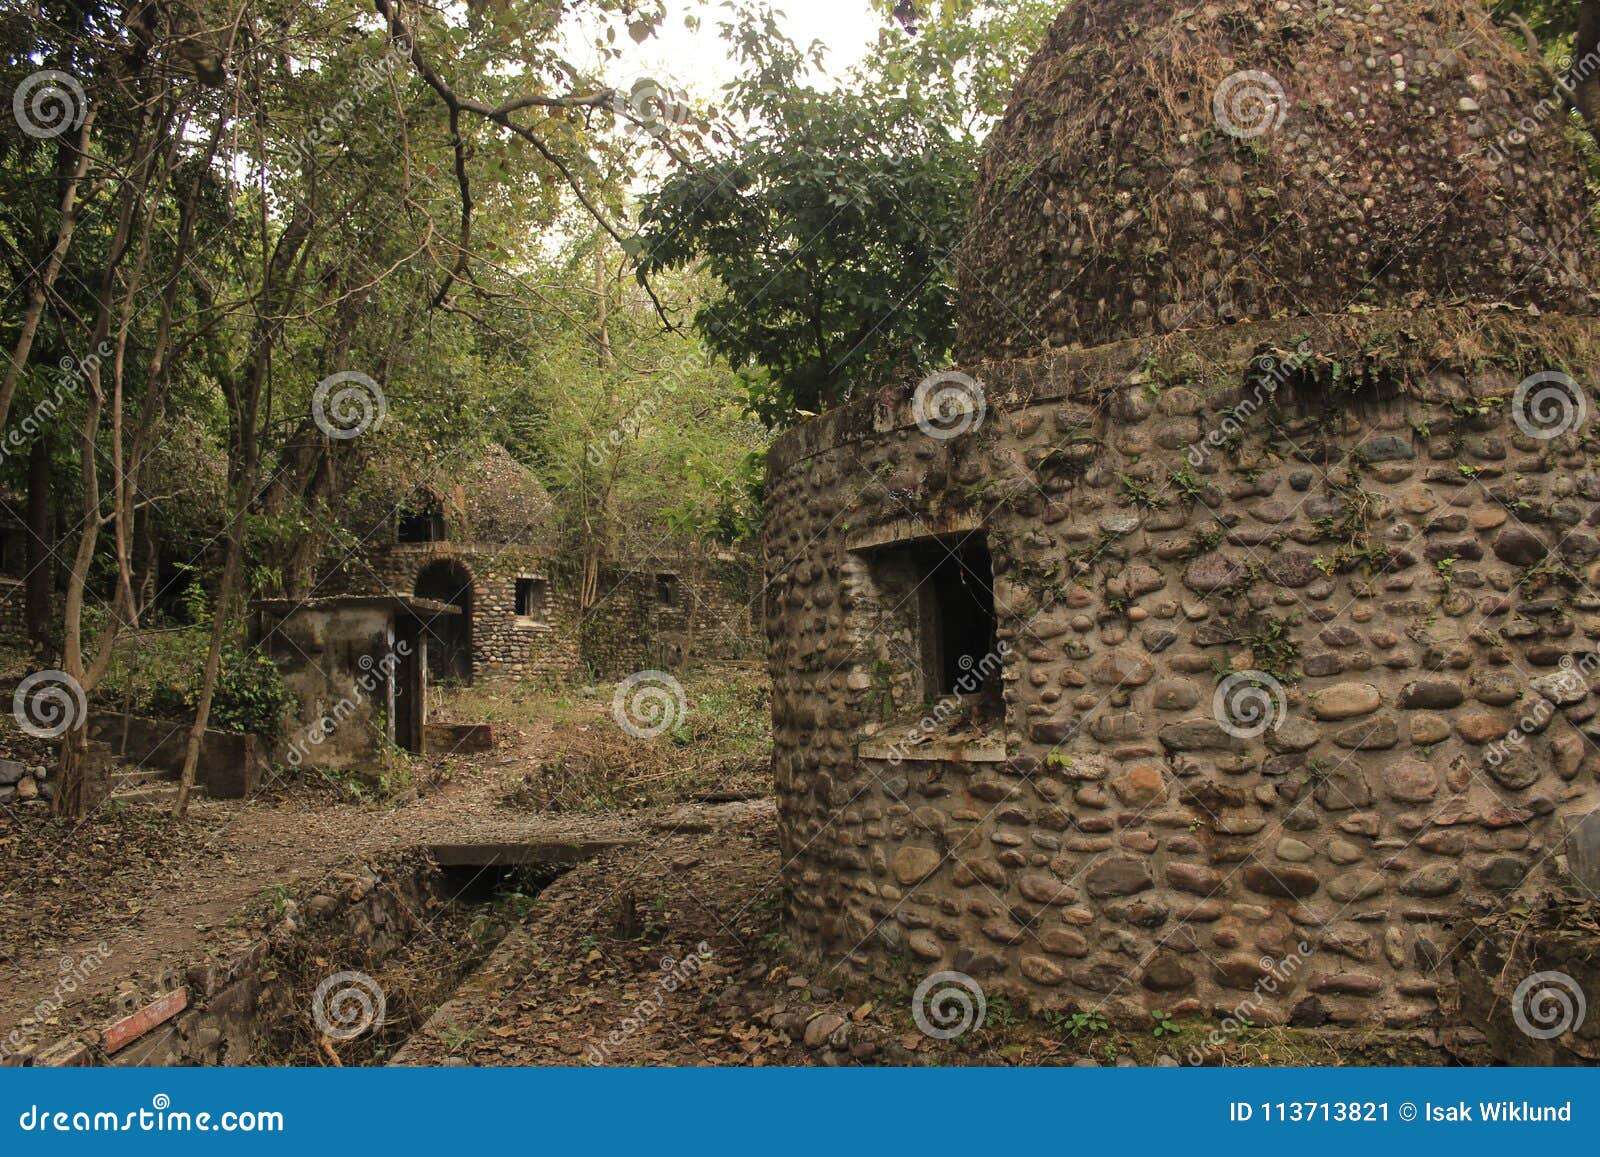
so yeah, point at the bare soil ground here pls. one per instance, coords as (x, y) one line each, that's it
(148, 893)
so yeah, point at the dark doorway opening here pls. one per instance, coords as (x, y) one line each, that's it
(667, 590)
(13, 554)
(410, 682)
(449, 636)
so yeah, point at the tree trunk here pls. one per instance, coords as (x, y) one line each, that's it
(1584, 77)
(41, 285)
(41, 568)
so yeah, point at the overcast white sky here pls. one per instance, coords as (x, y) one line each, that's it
(697, 61)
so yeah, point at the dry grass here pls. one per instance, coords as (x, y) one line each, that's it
(722, 748)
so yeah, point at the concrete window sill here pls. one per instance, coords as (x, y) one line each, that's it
(906, 741)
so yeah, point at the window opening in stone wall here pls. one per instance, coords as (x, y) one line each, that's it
(937, 599)
(421, 524)
(531, 594)
(667, 590)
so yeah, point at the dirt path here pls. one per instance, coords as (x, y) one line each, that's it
(141, 894)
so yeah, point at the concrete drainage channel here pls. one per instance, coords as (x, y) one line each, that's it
(396, 937)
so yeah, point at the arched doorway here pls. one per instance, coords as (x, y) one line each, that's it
(449, 636)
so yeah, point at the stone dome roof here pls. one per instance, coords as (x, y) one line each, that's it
(1166, 165)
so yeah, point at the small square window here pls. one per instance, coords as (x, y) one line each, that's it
(532, 594)
(667, 590)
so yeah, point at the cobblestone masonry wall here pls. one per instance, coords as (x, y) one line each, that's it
(629, 630)
(1386, 545)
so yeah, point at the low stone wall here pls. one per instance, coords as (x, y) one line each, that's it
(230, 766)
(1398, 576)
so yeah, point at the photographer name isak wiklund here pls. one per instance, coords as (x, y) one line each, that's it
(1377, 1112)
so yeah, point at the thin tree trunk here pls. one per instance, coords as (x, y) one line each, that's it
(44, 281)
(245, 398)
(41, 562)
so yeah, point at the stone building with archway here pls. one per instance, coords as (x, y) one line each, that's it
(1224, 633)
(480, 542)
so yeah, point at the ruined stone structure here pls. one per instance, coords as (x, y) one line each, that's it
(1198, 666)
(484, 546)
(357, 667)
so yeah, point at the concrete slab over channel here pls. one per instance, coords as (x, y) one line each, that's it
(520, 855)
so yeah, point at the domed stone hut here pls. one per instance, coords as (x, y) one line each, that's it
(1219, 640)
(482, 536)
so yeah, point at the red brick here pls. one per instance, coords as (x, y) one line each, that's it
(122, 1033)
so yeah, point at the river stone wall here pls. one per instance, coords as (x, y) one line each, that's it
(1345, 509)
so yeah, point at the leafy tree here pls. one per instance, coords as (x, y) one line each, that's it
(830, 222)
